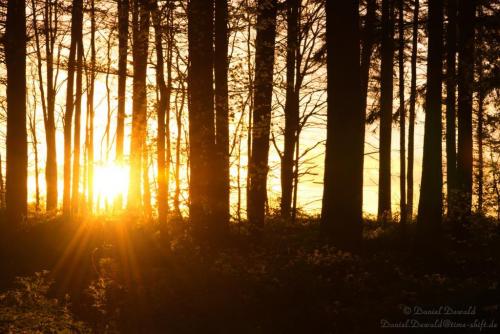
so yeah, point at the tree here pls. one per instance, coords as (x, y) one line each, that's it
(221, 65)
(430, 204)
(139, 100)
(402, 114)
(264, 65)
(163, 106)
(367, 42)
(386, 100)
(201, 113)
(123, 11)
(76, 31)
(451, 84)
(341, 213)
(291, 106)
(411, 111)
(466, 15)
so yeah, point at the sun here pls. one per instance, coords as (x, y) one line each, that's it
(110, 182)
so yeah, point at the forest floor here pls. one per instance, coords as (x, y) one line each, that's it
(107, 275)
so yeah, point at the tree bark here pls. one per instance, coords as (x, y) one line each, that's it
(291, 107)
(221, 66)
(451, 84)
(430, 204)
(466, 16)
(411, 111)
(139, 101)
(201, 114)
(76, 30)
(386, 101)
(341, 213)
(123, 11)
(402, 115)
(264, 65)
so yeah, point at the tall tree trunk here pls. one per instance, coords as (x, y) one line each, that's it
(90, 113)
(17, 144)
(75, 196)
(411, 112)
(123, 11)
(466, 15)
(291, 107)
(221, 66)
(341, 213)
(145, 179)
(451, 84)
(264, 65)
(430, 203)
(2, 187)
(402, 115)
(139, 103)
(480, 127)
(367, 43)
(162, 108)
(386, 99)
(201, 113)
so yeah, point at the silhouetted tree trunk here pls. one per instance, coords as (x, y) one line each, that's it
(402, 115)
(221, 65)
(90, 112)
(139, 103)
(264, 64)
(17, 144)
(162, 108)
(2, 187)
(341, 213)
(291, 107)
(75, 196)
(201, 113)
(367, 43)
(145, 179)
(430, 203)
(123, 10)
(466, 15)
(451, 84)
(480, 120)
(76, 31)
(411, 112)
(386, 99)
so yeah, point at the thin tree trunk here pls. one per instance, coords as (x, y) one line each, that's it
(90, 113)
(140, 54)
(402, 116)
(466, 16)
(341, 214)
(123, 11)
(480, 137)
(2, 187)
(75, 196)
(412, 105)
(221, 66)
(451, 84)
(291, 107)
(145, 180)
(430, 204)
(264, 65)
(162, 107)
(386, 101)
(368, 41)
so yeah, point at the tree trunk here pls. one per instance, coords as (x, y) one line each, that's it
(76, 30)
(17, 145)
(402, 115)
(291, 107)
(413, 101)
(341, 213)
(139, 100)
(201, 114)
(123, 10)
(162, 107)
(451, 84)
(430, 204)
(90, 113)
(75, 196)
(466, 15)
(264, 65)
(386, 99)
(367, 43)
(221, 66)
